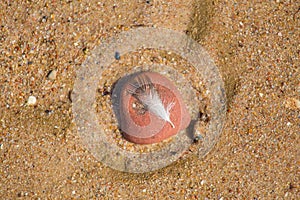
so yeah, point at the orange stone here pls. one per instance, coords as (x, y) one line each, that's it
(143, 127)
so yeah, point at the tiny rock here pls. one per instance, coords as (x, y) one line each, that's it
(31, 100)
(117, 55)
(203, 182)
(52, 74)
(292, 103)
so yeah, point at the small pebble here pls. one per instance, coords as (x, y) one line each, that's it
(31, 100)
(296, 102)
(117, 55)
(292, 103)
(203, 182)
(52, 74)
(197, 138)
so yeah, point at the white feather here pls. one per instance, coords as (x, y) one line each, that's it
(145, 92)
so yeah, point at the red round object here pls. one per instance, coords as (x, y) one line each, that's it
(143, 127)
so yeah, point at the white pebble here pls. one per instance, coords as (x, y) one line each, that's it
(31, 100)
(297, 103)
(203, 182)
(52, 74)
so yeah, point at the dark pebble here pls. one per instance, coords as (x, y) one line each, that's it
(117, 55)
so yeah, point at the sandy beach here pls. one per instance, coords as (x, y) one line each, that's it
(255, 45)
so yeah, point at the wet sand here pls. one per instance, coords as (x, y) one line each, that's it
(256, 47)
